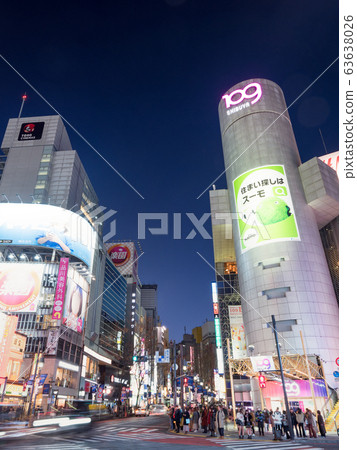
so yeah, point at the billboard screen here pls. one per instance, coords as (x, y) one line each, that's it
(75, 303)
(295, 388)
(124, 256)
(20, 286)
(31, 131)
(239, 346)
(47, 226)
(264, 207)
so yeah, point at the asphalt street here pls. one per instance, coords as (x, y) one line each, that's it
(150, 433)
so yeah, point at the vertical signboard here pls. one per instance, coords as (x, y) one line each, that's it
(217, 327)
(60, 289)
(264, 207)
(239, 346)
(7, 330)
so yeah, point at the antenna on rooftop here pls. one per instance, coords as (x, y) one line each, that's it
(24, 97)
(323, 142)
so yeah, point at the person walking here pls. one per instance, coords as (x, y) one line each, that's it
(220, 421)
(240, 423)
(186, 420)
(171, 415)
(311, 423)
(260, 418)
(271, 420)
(204, 421)
(321, 424)
(300, 418)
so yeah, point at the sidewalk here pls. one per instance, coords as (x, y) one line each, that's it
(230, 432)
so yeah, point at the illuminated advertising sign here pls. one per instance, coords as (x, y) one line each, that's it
(262, 363)
(20, 286)
(239, 346)
(295, 388)
(60, 289)
(264, 207)
(31, 131)
(47, 226)
(124, 256)
(76, 302)
(52, 340)
(237, 97)
(7, 330)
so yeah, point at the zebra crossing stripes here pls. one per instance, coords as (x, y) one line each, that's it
(263, 445)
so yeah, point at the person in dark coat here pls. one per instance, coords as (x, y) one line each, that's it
(204, 419)
(212, 422)
(321, 424)
(177, 418)
(294, 421)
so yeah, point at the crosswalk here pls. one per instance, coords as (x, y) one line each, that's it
(263, 445)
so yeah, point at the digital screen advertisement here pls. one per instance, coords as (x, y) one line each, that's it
(264, 207)
(239, 346)
(20, 286)
(47, 226)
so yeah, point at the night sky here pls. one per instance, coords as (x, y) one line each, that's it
(141, 81)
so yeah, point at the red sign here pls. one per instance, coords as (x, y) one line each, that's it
(215, 308)
(262, 381)
(338, 361)
(60, 288)
(119, 254)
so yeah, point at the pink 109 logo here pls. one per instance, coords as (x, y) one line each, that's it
(252, 90)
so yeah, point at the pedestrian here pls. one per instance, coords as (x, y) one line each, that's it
(271, 420)
(186, 420)
(171, 414)
(278, 418)
(212, 422)
(321, 424)
(266, 419)
(248, 421)
(260, 418)
(240, 423)
(204, 421)
(311, 423)
(177, 418)
(220, 421)
(300, 418)
(285, 425)
(294, 421)
(195, 419)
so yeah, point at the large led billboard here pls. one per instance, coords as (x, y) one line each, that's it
(47, 226)
(20, 286)
(264, 207)
(239, 346)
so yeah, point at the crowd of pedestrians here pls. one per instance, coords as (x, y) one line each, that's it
(212, 420)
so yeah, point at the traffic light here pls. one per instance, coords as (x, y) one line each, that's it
(262, 381)
(185, 381)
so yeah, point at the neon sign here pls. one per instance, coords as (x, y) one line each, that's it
(236, 97)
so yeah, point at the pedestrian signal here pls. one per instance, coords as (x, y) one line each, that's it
(262, 381)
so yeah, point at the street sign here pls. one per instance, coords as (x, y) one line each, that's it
(173, 366)
(338, 361)
(336, 374)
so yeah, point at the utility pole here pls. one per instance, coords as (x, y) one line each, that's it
(287, 408)
(181, 373)
(232, 381)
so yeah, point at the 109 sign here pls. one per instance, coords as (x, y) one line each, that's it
(237, 96)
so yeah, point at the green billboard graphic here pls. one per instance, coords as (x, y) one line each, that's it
(264, 207)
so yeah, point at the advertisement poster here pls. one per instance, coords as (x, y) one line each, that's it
(47, 226)
(239, 346)
(7, 331)
(60, 289)
(75, 304)
(31, 131)
(296, 388)
(124, 256)
(52, 340)
(20, 286)
(262, 363)
(264, 207)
